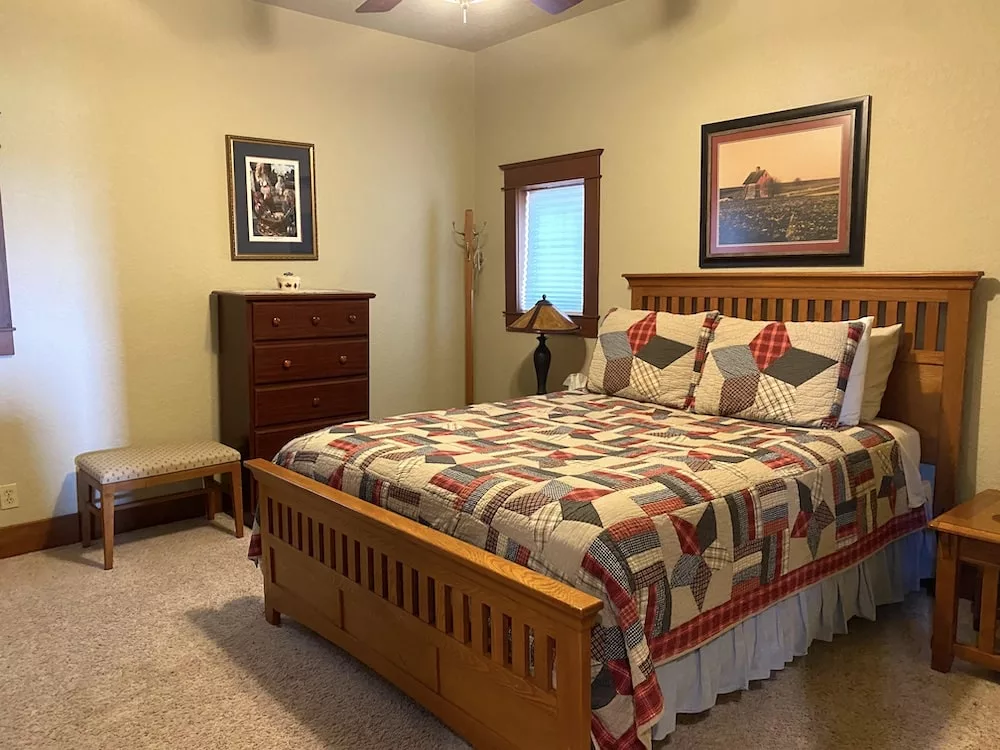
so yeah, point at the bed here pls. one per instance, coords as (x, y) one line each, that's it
(448, 599)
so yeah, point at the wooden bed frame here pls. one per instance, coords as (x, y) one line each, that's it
(427, 611)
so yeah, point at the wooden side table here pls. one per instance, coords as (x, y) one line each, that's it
(968, 533)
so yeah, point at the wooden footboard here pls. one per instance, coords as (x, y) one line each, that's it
(498, 652)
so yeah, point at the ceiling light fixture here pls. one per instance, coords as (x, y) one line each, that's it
(465, 7)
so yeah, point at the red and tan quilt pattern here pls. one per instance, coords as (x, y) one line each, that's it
(682, 524)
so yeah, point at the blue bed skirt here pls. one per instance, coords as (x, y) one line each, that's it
(771, 639)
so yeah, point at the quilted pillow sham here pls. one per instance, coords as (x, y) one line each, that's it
(650, 356)
(790, 373)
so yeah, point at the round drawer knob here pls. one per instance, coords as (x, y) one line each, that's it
(316, 401)
(276, 322)
(352, 318)
(315, 320)
(343, 359)
(287, 364)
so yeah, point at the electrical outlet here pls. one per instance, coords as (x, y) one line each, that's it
(8, 496)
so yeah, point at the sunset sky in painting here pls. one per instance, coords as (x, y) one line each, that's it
(806, 155)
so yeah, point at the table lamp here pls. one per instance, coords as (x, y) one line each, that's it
(543, 318)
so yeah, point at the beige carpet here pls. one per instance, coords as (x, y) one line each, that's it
(170, 649)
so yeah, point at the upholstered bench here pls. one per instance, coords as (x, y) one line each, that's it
(124, 469)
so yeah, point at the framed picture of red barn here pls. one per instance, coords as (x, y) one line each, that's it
(786, 188)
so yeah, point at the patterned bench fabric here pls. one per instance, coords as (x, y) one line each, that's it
(125, 464)
(683, 525)
(790, 373)
(649, 356)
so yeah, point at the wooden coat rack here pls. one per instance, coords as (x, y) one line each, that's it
(470, 238)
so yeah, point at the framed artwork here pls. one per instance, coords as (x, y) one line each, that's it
(272, 199)
(787, 188)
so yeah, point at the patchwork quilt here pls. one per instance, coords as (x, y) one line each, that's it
(682, 524)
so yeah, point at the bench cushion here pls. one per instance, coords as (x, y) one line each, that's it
(125, 464)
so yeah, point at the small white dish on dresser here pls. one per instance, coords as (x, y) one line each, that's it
(288, 282)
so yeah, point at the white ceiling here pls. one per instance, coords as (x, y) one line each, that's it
(439, 21)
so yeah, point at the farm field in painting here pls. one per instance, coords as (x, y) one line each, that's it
(800, 211)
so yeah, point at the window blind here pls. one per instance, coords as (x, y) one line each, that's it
(552, 250)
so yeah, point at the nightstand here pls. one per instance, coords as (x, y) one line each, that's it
(968, 533)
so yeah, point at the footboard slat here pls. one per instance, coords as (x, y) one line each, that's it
(334, 551)
(366, 567)
(360, 552)
(408, 588)
(426, 596)
(518, 648)
(348, 559)
(542, 674)
(498, 637)
(380, 579)
(440, 604)
(449, 624)
(478, 624)
(459, 616)
(394, 597)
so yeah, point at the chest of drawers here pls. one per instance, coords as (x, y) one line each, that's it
(289, 363)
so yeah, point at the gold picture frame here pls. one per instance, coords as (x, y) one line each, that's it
(272, 199)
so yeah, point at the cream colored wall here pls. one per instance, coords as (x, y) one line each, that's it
(112, 125)
(640, 78)
(113, 120)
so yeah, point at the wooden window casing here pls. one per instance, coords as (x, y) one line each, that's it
(6, 325)
(582, 167)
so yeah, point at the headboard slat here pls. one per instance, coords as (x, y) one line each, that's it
(930, 338)
(910, 324)
(926, 388)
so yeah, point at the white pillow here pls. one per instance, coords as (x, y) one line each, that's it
(850, 412)
(881, 356)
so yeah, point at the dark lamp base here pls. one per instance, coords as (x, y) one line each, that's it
(543, 358)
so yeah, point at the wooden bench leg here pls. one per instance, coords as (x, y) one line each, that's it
(236, 483)
(83, 494)
(212, 502)
(108, 524)
(945, 604)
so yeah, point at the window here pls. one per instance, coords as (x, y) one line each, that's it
(551, 234)
(6, 327)
(551, 259)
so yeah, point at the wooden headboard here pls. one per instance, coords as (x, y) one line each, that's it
(927, 386)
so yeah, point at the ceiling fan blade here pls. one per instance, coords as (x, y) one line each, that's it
(555, 6)
(377, 6)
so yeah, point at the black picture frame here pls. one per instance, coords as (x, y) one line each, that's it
(272, 199)
(802, 217)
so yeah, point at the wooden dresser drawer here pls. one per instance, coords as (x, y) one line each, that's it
(286, 361)
(283, 404)
(268, 442)
(309, 319)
